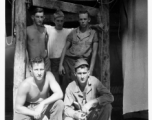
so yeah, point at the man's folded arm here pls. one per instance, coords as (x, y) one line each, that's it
(105, 95)
(21, 99)
(68, 101)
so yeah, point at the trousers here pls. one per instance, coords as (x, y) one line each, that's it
(53, 112)
(102, 113)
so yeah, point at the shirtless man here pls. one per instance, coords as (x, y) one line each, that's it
(33, 99)
(37, 37)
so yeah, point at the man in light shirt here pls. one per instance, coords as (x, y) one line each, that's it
(86, 98)
(56, 42)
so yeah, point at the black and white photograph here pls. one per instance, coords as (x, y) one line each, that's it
(76, 60)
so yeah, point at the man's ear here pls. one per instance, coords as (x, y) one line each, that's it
(32, 17)
(88, 72)
(75, 73)
(31, 70)
(44, 17)
(89, 19)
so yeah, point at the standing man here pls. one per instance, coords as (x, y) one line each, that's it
(56, 42)
(37, 37)
(33, 99)
(86, 97)
(81, 43)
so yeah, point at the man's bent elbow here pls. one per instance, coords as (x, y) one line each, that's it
(111, 98)
(61, 95)
(17, 109)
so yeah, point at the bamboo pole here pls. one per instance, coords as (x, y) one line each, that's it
(19, 58)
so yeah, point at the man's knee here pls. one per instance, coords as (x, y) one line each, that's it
(108, 107)
(68, 118)
(59, 104)
(18, 116)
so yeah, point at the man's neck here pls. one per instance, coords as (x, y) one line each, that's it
(82, 86)
(84, 29)
(39, 83)
(58, 28)
(37, 26)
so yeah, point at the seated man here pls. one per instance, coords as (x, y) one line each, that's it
(33, 99)
(86, 97)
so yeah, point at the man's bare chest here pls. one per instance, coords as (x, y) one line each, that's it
(37, 37)
(36, 93)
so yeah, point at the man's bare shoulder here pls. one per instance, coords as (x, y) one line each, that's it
(30, 28)
(50, 77)
(49, 74)
(26, 84)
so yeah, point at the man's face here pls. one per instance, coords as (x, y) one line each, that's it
(59, 23)
(38, 70)
(84, 20)
(82, 75)
(38, 18)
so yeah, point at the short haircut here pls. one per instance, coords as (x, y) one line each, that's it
(84, 11)
(82, 66)
(36, 9)
(58, 13)
(36, 60)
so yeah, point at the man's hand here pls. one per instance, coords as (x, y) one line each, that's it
(37, 115)
(79, 115)
(40, 108)
(91, 104)
(61, 70)
(45, 118)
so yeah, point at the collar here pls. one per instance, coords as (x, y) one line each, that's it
(86, 34)
(77, 89)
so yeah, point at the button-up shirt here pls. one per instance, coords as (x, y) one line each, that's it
(81, 43)
(94, 90)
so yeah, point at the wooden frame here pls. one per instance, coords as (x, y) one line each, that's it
(65, 6)
(20, 49)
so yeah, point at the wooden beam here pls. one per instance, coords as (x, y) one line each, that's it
(68, 18)
(80, 0)
(103, 17)
(19, 58)
(65, 6)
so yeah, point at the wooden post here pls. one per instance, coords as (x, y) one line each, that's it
(19, 58)
(103, 16)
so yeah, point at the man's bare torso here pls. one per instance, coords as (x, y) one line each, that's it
(35, 93)
(36, 42)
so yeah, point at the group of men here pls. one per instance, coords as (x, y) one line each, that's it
(59, 67)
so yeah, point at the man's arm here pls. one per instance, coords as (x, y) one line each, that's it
(100, 27)
(69, 111)
(54, 86)
(105, 95)
(67, 45)
(94, 52)
(69, 106)
(104, 98)
(21, 99)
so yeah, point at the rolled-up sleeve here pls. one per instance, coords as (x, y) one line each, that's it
(68, 101)
(70, 37)
(95, 38)
(104, 94)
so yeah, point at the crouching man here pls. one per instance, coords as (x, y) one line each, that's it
(33, 100)
(86, 98)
